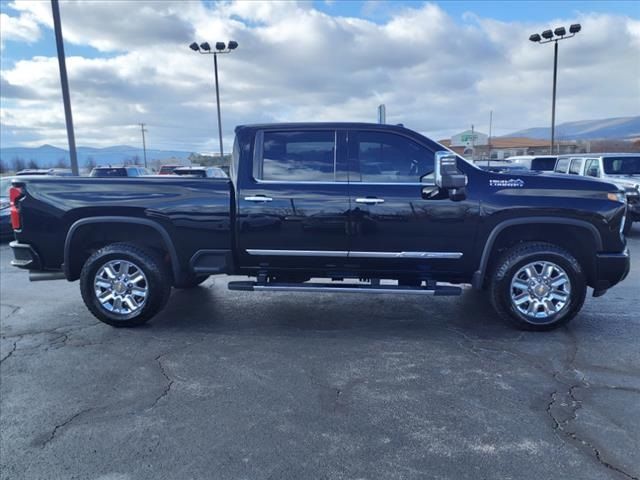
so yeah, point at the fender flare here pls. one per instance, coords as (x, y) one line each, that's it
(166, 239)
(478, 276)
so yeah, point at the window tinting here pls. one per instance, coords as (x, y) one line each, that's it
(296, 156)
(544, 164)
(576, 164)
(622, 165)
(389, 158)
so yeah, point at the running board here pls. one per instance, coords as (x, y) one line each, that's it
(248, 286)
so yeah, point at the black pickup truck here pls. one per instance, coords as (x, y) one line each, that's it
(369, 208)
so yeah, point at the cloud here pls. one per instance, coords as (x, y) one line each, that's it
(23, 28)
(436, 74)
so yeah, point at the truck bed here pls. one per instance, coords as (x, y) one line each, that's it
(194, 212)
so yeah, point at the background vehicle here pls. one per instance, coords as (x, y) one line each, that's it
(375, 208)
(167, 169)
(119, 172)
(5, 214)
(621, 169)
(58, 172)
(540, 163)
(203, 172)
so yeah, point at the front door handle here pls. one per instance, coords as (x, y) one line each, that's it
(258, 198)
(370, 200)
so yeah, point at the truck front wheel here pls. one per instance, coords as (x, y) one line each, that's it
(124, 285)
(538, 286)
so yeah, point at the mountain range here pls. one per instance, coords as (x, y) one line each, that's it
(50, 156)
(619, 128)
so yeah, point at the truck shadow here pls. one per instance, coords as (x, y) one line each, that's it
(212, 308)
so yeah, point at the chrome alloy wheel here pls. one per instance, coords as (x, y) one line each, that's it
(540, 289)
(121, 287)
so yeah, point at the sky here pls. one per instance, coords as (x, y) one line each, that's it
(439, 67)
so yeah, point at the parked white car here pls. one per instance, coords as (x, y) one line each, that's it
(622, 169)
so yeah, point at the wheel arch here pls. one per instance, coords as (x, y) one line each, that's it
(550, 229)
(86, 226)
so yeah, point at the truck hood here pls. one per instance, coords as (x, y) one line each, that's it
(625, 181)
(547, 181)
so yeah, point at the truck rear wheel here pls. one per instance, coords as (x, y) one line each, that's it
(538, 286)
(124, 285)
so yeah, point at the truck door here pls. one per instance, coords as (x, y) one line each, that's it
(293, 208)
(394, 227)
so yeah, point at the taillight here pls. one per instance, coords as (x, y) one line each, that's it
(15, 194)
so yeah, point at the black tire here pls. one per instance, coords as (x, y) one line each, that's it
(520, 256)
(628, 223)
(158, 283)
(191, 281)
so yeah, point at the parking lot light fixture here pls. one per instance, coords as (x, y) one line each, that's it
(221, 47)
(548, 36)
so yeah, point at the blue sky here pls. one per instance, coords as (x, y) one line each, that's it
(438, 66)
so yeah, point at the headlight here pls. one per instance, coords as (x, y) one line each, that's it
(617, 197)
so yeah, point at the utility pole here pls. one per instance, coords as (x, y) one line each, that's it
(473, 144)
(490, 127)
(553, 103)
(64, 82)
(144, 145)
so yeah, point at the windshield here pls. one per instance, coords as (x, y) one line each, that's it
(622, 165)
(546, 164)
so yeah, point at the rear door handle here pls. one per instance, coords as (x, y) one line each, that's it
(258, 198)
(370, 200)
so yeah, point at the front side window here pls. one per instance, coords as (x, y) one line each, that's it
(384, 157)
(299, 156)
(593, 169)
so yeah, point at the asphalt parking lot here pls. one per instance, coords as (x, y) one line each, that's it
(291, 386)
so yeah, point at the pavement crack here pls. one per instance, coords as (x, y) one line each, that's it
(62, 425)
(13, 349)
(169, 384)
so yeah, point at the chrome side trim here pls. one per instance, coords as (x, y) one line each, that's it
(451, 255)
(298, 253)
(341, 253)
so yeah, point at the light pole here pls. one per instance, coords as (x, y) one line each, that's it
(547, 35)
(205, 49)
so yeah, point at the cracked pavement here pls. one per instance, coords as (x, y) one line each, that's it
(286, 386)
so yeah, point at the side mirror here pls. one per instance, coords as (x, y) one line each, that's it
(447, 176)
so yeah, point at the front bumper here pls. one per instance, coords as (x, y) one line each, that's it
(24, 256)
(611, 268)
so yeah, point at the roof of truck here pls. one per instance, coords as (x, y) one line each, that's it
(382, 126)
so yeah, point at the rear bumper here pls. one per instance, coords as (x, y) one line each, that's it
(24, 256)
(611, 268)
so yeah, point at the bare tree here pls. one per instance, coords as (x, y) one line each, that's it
(18, 164)
(62, 163)
(32, 164)
(3, 167)
(91, 163)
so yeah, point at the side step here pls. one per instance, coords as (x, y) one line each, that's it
(249, 286)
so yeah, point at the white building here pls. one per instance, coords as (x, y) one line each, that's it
(469, 139)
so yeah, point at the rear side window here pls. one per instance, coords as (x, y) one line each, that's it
(384, 157)
(296, 156)
(562, 165)
(543, 164)
(576, 166)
